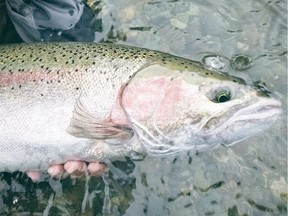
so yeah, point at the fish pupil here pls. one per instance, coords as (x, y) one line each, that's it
(222, 97)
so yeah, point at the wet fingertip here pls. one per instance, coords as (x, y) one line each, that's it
(33, 175)
(55, 170)
(97, 169)
(73, 166)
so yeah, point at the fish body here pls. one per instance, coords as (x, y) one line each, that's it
(93, 102)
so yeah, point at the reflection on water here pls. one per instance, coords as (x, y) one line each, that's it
(249, 178)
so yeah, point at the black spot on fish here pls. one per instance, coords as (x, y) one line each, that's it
(174, 160)
(283, 53)
(190, 160)
(145, 210)
(188, 205)
(171, 199)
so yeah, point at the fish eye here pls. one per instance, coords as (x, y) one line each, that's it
(222, 96)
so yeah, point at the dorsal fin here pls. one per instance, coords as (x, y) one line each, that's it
(85, 125)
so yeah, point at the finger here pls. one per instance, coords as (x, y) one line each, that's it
(96, 168)
(56, 171)
(33, 175)
(74, 167)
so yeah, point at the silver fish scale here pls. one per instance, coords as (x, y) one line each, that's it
(91, 69)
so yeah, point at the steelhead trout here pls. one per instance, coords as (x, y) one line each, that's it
(97, 102)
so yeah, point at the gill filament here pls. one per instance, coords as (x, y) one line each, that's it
(151, 146)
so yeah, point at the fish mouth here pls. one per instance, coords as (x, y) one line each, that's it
(256, 116)
(243, 123)
(248, 121)
(259, 112)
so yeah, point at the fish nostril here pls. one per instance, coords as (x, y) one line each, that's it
(261, 89)
(263, 93)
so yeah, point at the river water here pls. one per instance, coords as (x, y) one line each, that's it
(250, 178)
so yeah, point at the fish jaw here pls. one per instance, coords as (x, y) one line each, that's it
(255, 118)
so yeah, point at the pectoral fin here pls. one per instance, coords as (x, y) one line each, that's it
(85, 125)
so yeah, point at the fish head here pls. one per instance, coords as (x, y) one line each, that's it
(172, 108)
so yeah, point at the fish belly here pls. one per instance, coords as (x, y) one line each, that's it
(33, 134)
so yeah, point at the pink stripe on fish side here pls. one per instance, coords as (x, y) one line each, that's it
(18, 78)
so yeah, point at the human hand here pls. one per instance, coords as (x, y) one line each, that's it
(71, 168)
